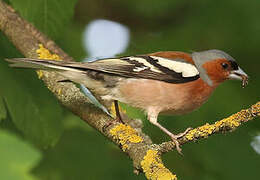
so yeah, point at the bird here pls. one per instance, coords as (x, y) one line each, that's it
(165, 82)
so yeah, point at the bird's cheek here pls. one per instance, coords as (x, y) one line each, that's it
(225, 75)
(216, 77)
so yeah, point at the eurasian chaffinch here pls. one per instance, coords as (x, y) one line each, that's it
(162, 82)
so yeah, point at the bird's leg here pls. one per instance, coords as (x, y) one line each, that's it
(117, 119)
(153, 119)
(118, 116)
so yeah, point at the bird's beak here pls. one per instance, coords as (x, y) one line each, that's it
(239, 75)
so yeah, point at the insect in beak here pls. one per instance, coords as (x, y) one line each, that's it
(239, 75)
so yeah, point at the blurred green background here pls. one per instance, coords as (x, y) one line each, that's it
(41, 140)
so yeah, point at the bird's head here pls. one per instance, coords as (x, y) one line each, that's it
(216, 66)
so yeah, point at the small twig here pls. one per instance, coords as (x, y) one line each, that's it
(228, 124)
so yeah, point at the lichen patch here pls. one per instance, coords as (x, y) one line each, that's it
(44, 53)
(153, 167)
(125, 134)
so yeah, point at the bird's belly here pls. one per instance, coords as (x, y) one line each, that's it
(183, 110)
(167, 98)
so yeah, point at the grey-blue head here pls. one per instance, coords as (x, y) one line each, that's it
(222, 66)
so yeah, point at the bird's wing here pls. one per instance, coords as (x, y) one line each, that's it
(148, 67)
(145, 66)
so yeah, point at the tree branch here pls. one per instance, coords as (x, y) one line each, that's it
(228, 124)
(145, 155)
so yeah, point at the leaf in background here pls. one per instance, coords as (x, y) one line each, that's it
(50, 16)
(78, 156)
(2, 109)
(32, 107)
(33, 110)
(7, 1)
(17, 158)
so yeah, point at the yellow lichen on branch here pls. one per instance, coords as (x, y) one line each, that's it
(255, 109)
(125, 134)
(44, 53)
(153, 167)
(202, 131)
(228, 124)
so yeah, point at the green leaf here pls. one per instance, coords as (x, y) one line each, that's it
(17, 158)
(7, 1)
(33, 108)
(78, 149)
(50, 16)
(2, 109)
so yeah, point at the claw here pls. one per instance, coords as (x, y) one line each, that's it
(176, 137)
(177, 145)
(109, 123)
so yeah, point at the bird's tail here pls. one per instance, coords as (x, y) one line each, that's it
(72, 71)
(50, 65)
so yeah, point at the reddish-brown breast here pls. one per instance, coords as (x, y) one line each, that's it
(164, 97)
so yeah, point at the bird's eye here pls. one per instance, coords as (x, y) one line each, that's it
(224, 65)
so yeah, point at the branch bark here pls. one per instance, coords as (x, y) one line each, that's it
(145, 155)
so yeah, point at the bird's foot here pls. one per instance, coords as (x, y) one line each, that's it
(176, 137)
(117, 119)
(177, 144)
(109, 123)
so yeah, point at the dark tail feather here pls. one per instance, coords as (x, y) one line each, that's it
(38, 64)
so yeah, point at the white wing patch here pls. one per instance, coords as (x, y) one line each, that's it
(139, 69)
(187, 69)
(145, 63)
